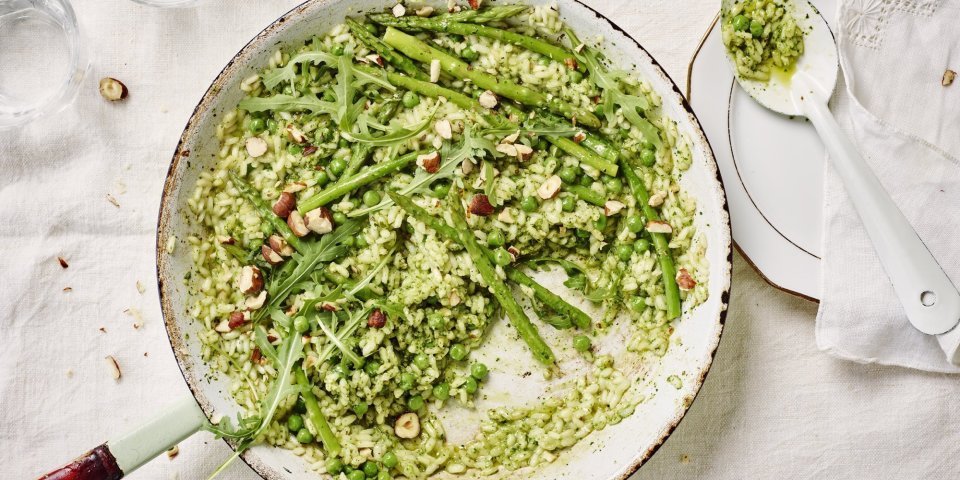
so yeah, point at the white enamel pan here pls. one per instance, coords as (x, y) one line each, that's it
(615, 452)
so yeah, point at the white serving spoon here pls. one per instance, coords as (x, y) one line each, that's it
(930, 300)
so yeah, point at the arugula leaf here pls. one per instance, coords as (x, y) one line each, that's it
(287, 103)
(338, 342)
(290, 352)
(287, 73)
(329, 248)
(373, 272)
(263, 343)
(395, 136)
(612, 94)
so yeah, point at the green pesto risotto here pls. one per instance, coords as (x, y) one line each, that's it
(762, 36)
(389, 190)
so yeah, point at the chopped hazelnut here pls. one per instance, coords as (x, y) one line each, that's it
(254, 303)
(113, 89)
(579, 137)
(251, 280)
(407, 425)
(480, 205)
(376, 319)
(296, 224)
(279, 245)
(434, 70)
(430, 162)
(285, 204)
(612, 207)
(443, 129)
(256, 147)
(488, 99)
(319, 220)
(399, 10)
(550, 188)
(270, 255)
(659, 226)
(685, 281)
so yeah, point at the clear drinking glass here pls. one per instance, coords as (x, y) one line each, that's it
(42, 60)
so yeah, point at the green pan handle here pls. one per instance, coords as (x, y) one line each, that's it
(116, 458)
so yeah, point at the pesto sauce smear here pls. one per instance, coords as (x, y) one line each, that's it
(393, 313)
(763, 38)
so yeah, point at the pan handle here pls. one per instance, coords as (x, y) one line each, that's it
(116, 458)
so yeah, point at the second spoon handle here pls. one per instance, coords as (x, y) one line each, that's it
(930, 300)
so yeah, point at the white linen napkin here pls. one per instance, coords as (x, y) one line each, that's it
(907, 126)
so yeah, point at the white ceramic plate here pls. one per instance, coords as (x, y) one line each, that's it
(772, 168)
(615, 452)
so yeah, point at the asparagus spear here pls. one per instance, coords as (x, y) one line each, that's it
(660, 242)
(348, 185)
(425, 88)
(418, 50)
(555, 53)
(359, 155)
(541, 293)
(586, 194)
(314, 414)
(266, 213)
(489, 14)
(396, 59)
(591, 141)
(518, 318)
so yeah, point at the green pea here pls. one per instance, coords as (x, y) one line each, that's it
(288, 90)
(635, 223)
(337, 50)
(741, 23)
(334, 466)
(384, 475)
(601, 223)
(568, 203)
(322, 178)
(372, 368)
(390, 460)
(582, 234)
(478, 371)
(586, 181)
(257, 125)
(495, 239)
(406, 380)
(304, 436)
(343, 143)
(329, 96)
(436, 320)
(301, 324)
(568, 174)
(471, 386)
(457, 351)
(371, 198)
(648, 157)
(349, 241)
(469, 54)
(598, 110)
(441, 189)
(370, 28)
(356, 475)
(756, 28)
(624, 251)
(337, 166)
(613, 185)
(502, 257)
(360, 408)
(544, 60)
(441, 391)
(294, 423)
(581, 343)
(362, 242)
(415, 403)
(339, 218)
(421, 361)
(294, 149)
(272, 125)
(529, 204)
(456, 38)
(641, 245)
(370, 469)
(410, 99)
(575, 76)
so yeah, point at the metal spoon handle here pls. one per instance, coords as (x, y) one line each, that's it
(930, 300)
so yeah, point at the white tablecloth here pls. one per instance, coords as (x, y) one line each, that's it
(773, 406)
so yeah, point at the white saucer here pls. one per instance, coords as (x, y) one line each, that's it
(772, 168)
